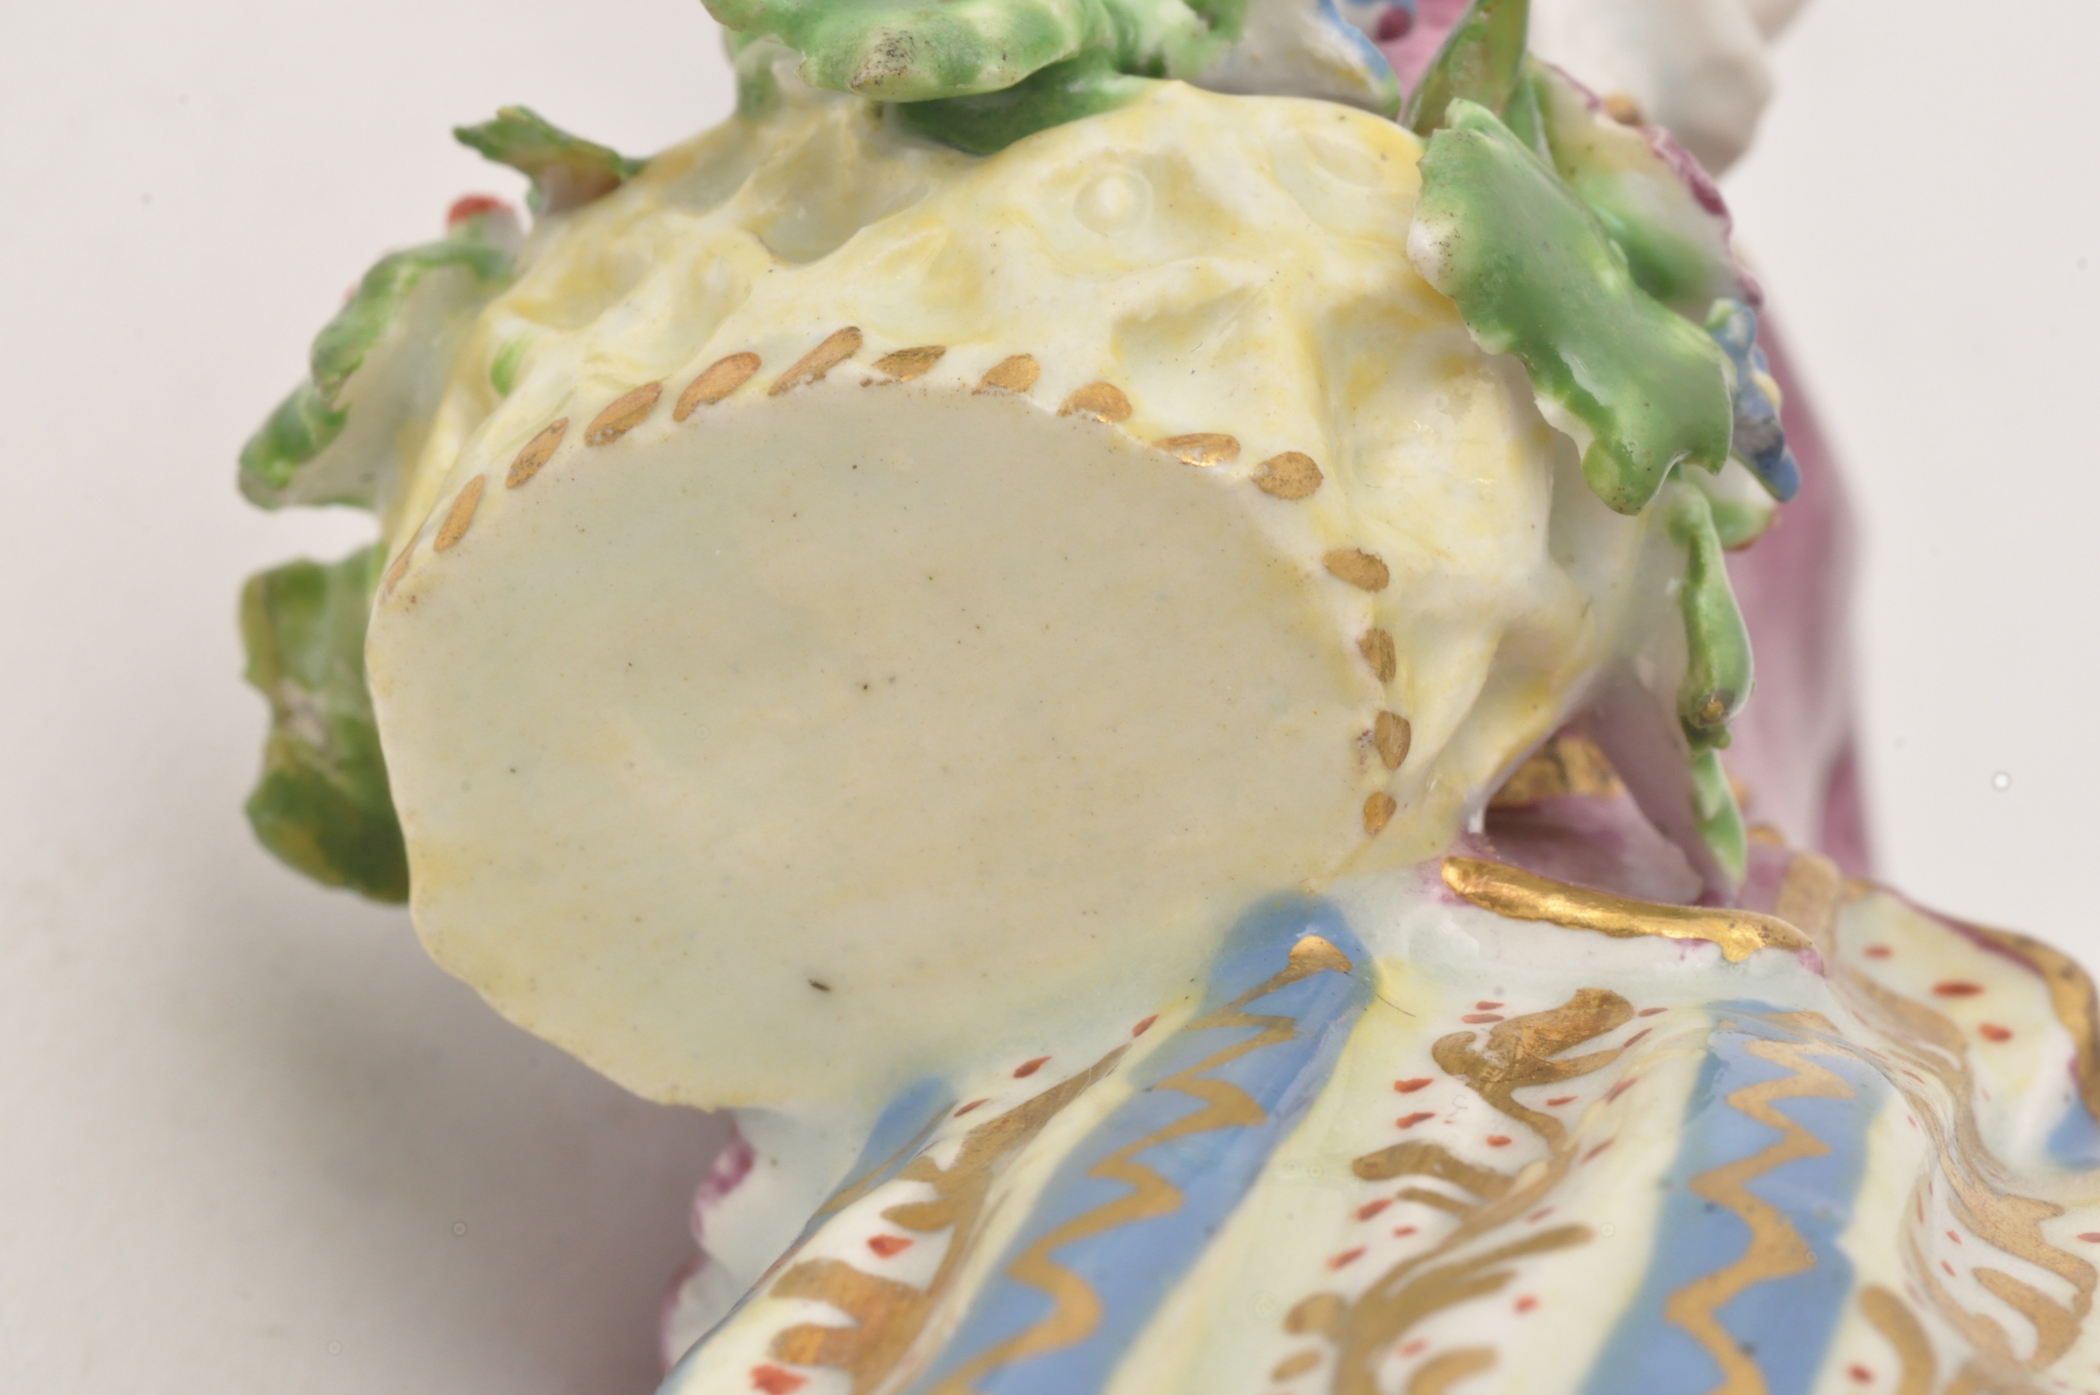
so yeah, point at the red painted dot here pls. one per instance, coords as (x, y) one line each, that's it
(2091, 1237)
(1598, 1149)
(1539, 1215)
(1921, 1206)
(1951, 1235)
(775, 1381)
(1619, 1089)
(1957, 988)
(1395, 24)
(1991, 1031)
(1028, 1068)
(465, 208)
(1145, 1026)
(1878, 951)
(1402, 1232)
(1408, 1121)
(887, 1245)
(1487, 1007)
(1638, 1035)
(1372, 1208)
(973, 1104)
(1476, 1018)
(1948, 1267)
(1408, 1087)
(1416, 1347)
(1859, 1373)
(1526, 1303)
(1558, 1100)
(1498, 1140)
(1650, 1012)
(1346, 1257)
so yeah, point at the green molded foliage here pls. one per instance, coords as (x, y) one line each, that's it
(1063, 92)
(921, 50)
(1481, 61)
(1675, 245)
(1743, 510)
(322, 805)
(1534, 274)
(288, 461)
(1717, 671)
(565, 170)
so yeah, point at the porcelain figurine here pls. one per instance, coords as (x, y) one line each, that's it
(1122, 639)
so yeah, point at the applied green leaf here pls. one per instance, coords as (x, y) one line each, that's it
(1534, 274)
(323, 805)
(1717, 671)
(314, 448)
(566, 171)
(1085, 86)
(1481, 61)
(922, 50)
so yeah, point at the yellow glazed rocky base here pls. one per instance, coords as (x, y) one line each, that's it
(886, 629)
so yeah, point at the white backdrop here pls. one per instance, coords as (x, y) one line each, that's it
(252, 1141)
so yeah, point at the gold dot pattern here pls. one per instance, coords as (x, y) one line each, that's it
(1016, 374)
(1202, 448)
(716, 381)
(812, 366)
(622, 415)
(537, 452)
(906, 364)
(1101, 401)
(1392, 735)
(1291, 475)
(1377, 648)
(461, 515)
(1357, 567)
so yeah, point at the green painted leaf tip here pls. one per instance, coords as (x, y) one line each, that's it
(566, 171)
(1534, 274)
(1481, 61)
(290, 460)
(1064, 92)
(1718, 673)
(322, 805)
(927, 50)
(980, 74)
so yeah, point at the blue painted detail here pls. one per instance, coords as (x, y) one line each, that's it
(899, 1135)
(1132, 1262)
(1784, 1324)
(2075, 1141)
(1759, 441)
(1376, 68)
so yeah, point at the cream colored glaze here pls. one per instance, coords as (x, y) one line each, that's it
(647, 801)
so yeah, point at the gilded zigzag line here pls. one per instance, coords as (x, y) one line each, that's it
(1776, 1249)
(1077, 1308)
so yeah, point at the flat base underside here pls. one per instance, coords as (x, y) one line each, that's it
(862, 715)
